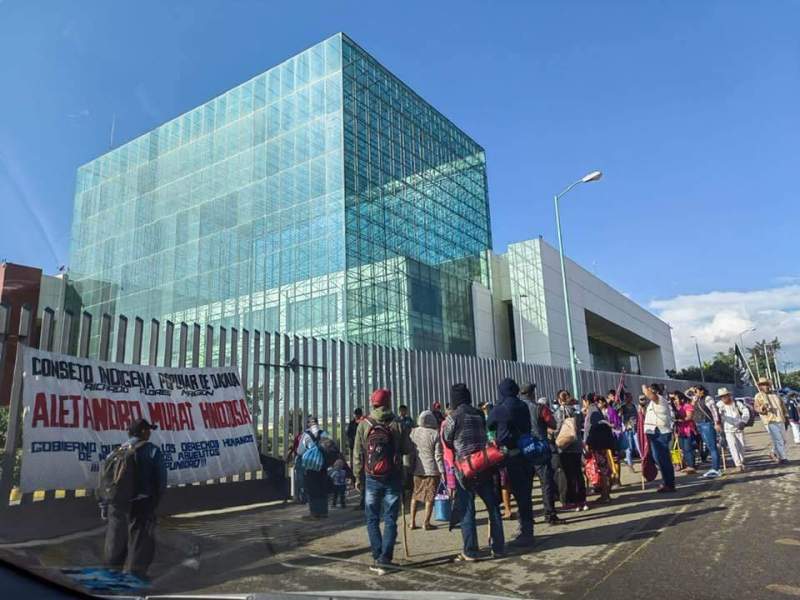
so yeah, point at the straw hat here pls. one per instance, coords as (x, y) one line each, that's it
(764, 381)
(723, 391)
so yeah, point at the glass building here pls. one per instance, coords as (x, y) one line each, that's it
(322, 197)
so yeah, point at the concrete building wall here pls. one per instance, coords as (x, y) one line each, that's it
(528, 277)
(589, 293)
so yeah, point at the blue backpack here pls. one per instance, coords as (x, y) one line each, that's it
(535, 450)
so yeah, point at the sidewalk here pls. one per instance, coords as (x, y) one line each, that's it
(275, 548)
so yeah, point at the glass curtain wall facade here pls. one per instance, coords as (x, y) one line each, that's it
(415, 187)
(322, 197)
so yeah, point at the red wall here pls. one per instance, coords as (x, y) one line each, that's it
(18, 285)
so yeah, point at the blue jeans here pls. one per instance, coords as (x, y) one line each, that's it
(660, 446)
(299, 481)
(382, 496)
(633, 444)
(520, 478)
(469, 533)
(709, 435)
(687, 447)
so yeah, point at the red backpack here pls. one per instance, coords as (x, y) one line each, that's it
(381, 455)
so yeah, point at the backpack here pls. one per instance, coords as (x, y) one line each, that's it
(381, 455)
(118, 474)
(537, 451)
(751, 413)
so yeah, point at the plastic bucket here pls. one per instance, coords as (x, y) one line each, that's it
(441, 509)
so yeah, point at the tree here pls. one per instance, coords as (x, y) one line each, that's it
(719, 370)
(760, 353)
(791, 379)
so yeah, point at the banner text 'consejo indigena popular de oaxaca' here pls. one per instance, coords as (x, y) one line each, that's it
(77, 410)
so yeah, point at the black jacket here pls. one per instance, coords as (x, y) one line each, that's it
(510, 418)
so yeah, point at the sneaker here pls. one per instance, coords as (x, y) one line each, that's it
(784, 461)
(585, 507)
(501, 554)
(466, 558)
(377, 568)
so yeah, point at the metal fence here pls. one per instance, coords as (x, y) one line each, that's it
(288, 377)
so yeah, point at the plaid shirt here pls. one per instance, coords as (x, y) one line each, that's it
(465, 431)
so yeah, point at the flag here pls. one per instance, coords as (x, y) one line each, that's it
(621, 387)
(739, 355)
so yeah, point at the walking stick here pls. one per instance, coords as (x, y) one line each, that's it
(405, 527)
(724, 462)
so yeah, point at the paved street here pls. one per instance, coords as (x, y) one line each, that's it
(736, 537)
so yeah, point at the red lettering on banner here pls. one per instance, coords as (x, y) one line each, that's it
(207, 412)
(53, 410)
(88, 419)
(136, 410)
(113, 417)
(156, 411)
(40, 410)
(76, 411)
(245, 411)
(99, 413)
(172, 413)
(189, 412)
(123, 414)
(184, 409)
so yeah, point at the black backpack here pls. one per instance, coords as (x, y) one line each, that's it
(380, 459)
(118, 474)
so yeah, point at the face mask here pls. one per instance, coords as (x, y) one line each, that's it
(314, 429)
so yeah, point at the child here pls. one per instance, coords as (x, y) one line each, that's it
(338, 475)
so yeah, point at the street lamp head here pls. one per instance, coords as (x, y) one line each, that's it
(593, 176)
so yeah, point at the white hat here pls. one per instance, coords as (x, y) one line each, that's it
(723, 391)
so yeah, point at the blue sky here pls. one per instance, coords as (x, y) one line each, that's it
(689, 108)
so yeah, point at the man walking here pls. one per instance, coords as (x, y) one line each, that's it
(542, 423)
(510, 419)
(130, 533)
(352, 427)
(658, 428)
(380, 444)
(733, 416)
(707, 419)
(464, 431)
(772, 411)
(405, 420)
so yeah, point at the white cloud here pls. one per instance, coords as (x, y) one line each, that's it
(716, 318)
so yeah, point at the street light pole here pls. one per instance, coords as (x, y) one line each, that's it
(593, 176)
(699, 361)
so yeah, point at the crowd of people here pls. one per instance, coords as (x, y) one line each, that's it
(494, 450)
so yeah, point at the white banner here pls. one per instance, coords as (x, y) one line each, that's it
(77, 410)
